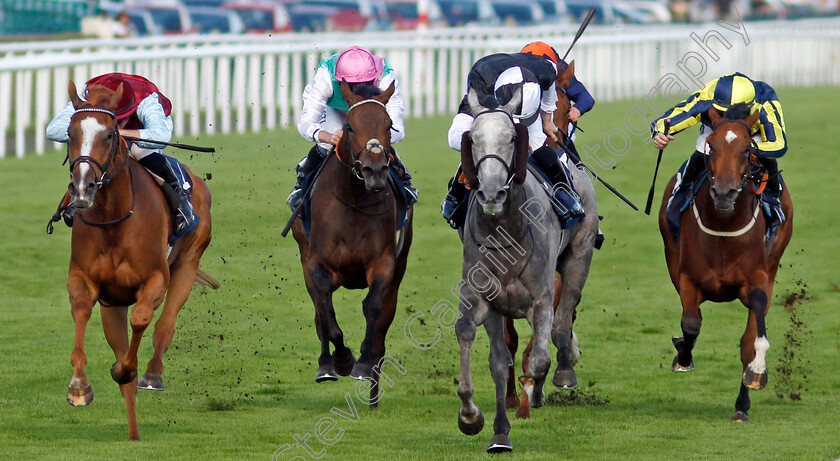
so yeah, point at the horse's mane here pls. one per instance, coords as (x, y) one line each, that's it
(737, 112)
(365, 90)
(99, 96)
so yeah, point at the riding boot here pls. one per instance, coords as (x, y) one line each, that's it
(772, 193)
(566, 202)
(309, 163)
(183, 218)
(399, 167)
(693, 168)
(451, 207)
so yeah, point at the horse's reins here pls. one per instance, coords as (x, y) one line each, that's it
(105, 178)
(510, 169)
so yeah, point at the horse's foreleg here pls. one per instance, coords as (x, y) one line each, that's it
(378, 307)
(319, 282)
(470, 419)
(149, 297)
(691, 321)
(114, 323)
(512, 342)
(82, 298)
(500, 362)
(380, 331)
(539, 361)
(754, 343)
(182, 277)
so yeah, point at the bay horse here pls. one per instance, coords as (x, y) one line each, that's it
(512, 239)
(722, 253)
(568, 379)
(118, 254)
(354, 242)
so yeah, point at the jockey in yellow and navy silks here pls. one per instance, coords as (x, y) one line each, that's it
(734, 96)
(325, 110)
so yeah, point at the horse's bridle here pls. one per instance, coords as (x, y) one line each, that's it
(753, 149)
(355, 156)
(511, 169)
(106, 177)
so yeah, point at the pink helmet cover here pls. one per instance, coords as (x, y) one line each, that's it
(356, 64)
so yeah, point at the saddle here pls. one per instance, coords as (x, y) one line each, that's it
(683, 195)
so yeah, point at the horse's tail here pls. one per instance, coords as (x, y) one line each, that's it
(204, 279)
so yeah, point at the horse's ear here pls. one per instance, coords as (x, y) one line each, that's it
(467, 162)
(472, 100)
(714, 117)
(520, 152)
(753, 118)
(350, 97)
(386, 95)
(74, 95)
(115, 98)
(564, 79)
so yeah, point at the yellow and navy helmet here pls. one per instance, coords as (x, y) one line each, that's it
(733, 91)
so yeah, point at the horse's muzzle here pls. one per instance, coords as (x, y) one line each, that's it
(82, 194)
(492, 205)
(724, 201)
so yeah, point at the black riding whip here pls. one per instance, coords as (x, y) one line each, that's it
(658, 159)
(172, 144)
(586, 21)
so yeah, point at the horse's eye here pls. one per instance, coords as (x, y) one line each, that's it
(348, 128)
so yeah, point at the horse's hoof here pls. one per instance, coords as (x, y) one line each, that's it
(326, 373)
(362, 371)
(740, 417)
(150, 382)
(121, 377)
(676, 367)
(344, 362)
(80, 397)
(471, 426)
(754, 380)
(500, 443)
(565, 379)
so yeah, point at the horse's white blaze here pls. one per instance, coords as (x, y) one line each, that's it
(758, 365)
(730, 136)
(90, 128)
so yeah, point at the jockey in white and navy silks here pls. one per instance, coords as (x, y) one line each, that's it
(142, 112)
(733, 96)
(498, 77)
(325, 110)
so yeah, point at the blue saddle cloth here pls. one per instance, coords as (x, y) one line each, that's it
(404, 199)
(681, 200)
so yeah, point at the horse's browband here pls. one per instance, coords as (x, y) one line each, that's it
(94, 109)
(365, 102)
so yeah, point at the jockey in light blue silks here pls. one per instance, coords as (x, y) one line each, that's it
(325, 110)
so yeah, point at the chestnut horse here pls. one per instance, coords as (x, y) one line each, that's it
(118, 253)
(561, 120)
(354, 242)
(722, 253)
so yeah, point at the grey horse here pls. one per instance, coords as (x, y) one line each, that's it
(512, 240)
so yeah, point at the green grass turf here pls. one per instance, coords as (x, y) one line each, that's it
(240, 372)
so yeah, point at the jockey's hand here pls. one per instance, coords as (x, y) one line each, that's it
(661, 140)
(574, 114)
(548, 126)
(332, 138)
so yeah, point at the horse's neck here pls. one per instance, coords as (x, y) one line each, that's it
(114, 199)
(345, 185)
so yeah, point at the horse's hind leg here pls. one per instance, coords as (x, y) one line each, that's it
(470, 419)
(114, 323)
(691, 321)
(500, 362)
(82, 299)
(754, 347)
(151, 295)
(574, 269)
(182, 277)
(512, 342)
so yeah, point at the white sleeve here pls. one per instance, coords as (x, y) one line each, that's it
(315, 97)
(157, 126)
(461, 123)
(548, 102)
(395, 107)
(536, 136)
(57, 129)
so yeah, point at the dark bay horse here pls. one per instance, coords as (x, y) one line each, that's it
(353, 241)
(118, 253)
(512, 240)
(569, 380)
(722, 253)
